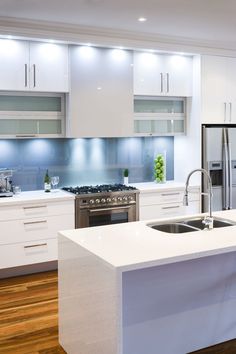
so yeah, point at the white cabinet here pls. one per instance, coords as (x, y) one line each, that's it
(28, 232)
(165, 204)
(101, 99)
(33, 66)
(31, 114)
(159, 115)
(14, 58)
(218, 90)
(158, 75)
(48, 67)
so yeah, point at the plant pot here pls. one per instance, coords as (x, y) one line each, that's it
(126, 180)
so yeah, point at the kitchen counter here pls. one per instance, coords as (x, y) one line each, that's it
(36, 196)
(125, 289)
(132, 246)
(149, 187)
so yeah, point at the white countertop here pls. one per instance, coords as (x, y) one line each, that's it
(148, 187)
(134, 245)
(34, 196)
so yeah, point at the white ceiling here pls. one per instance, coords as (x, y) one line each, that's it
(206, 20)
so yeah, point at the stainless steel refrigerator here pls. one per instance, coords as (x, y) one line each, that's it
(219, 159)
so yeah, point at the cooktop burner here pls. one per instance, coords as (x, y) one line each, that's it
(103, 188)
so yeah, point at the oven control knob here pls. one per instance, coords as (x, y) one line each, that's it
(97, 201)
(108, 200)
(114, 199)
(130, 198)
(119, 199)
(91, 201)
(125, 199)
(103, 200)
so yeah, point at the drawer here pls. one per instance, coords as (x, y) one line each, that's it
(31, 210)
(161, 197)
(148, 212)
(28, 253)
(175, 196)
(34, 229)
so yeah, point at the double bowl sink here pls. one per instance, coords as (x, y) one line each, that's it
(189, 225)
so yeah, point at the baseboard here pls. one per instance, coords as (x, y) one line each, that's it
(28, 269)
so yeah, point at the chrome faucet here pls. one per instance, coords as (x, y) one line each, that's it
(208, 221)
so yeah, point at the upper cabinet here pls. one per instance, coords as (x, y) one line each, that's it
(33, 66)
(162, 75)
(48, 67)
(101, 98)
(218, 90)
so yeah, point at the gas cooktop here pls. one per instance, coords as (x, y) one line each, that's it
(103, 188)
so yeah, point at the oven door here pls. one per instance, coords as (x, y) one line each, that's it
(105, 216)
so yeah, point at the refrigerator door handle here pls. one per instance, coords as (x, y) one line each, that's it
(225, 111)
(225, 172)
(230, 206)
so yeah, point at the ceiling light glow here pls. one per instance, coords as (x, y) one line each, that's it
(142, 19)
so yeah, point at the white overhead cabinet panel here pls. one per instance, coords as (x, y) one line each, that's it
(162, 75)
(48, 67)
(14, 57)
(29, 66)
(101, 99)
(218, 90)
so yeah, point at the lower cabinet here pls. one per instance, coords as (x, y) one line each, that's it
(24, 253)
(157, 205)
(28, 235)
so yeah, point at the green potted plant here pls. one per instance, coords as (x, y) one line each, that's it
(126, 176)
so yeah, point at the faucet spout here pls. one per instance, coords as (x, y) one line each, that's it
(209, 219)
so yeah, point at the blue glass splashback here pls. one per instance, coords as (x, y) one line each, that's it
(84, 161)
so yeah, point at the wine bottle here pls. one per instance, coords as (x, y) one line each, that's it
(47, 182)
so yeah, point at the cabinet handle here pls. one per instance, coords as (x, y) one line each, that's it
(230, 111)
(35, 222)
(26, 75)
(35, 207)
(171, 207)
(37, 245)
(34, 70)
(108, 209)
(161, 82)
(167, 82)
(167, 194)
(25, 135)
(224, 111)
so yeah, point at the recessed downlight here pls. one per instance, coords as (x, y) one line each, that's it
(142, 19)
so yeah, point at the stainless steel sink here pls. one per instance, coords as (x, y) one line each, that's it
(174, 228)
(189, 225)
(198, 223)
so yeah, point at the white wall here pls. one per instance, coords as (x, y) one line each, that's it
(187, 148)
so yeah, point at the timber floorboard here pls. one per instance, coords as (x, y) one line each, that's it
(29, 317)
(29, 314)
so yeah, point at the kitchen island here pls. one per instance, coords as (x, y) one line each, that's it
(130, 289)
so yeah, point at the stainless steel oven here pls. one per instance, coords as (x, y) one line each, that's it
(103, 206)
(87, 215)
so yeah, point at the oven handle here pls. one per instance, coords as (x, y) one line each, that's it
(107, 209)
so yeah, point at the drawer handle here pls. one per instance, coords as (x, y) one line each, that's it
(35, 207)
(171, 207)
(167, 194)
(35, 222)
(26, 135)
(38, 245)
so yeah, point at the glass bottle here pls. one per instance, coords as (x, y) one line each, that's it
(47, 182)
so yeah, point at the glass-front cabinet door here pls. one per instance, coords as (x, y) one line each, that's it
(159, 115)
(31, 115)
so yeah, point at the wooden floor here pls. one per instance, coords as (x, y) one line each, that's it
(29, 314)
(29, 317)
